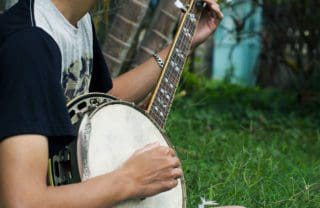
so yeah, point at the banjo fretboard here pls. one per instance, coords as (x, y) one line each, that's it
(163, 95)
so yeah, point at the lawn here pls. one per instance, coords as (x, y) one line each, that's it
(246, 146)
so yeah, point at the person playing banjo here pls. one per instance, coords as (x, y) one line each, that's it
(49, 54)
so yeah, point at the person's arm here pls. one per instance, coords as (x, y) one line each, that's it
(134, 85)
(23, 165)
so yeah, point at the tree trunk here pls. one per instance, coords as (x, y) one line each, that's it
(120, 36)
(160, 31)
(291, 50)
(100, 18)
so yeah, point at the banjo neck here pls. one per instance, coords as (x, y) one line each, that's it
(163, 95)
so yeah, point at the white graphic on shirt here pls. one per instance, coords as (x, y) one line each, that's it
(76, 78)
(75, 44)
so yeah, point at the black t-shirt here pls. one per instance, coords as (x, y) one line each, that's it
(31, 94)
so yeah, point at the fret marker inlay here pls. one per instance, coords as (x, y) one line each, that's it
(192, 17)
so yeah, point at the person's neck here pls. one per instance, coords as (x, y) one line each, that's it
(73, 10)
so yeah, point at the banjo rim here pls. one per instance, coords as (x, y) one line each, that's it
(162, 131)
(112, 101)
(77, 100)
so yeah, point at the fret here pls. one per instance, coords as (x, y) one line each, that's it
(155, 115)
(163, 96)
(166, 94)
(169, 86)
(170, 83)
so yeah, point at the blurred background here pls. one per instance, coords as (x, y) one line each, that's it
(270, 43)
(246, 120)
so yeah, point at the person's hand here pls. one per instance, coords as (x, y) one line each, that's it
(209, 21)
(152, 170)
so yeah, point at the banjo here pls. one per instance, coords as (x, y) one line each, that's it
(110, 130)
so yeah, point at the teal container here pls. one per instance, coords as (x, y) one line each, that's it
(237, 49)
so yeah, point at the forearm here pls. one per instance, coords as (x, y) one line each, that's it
(135, 85)
(100, 192)
(149, 171)
(27, 187)
(103, 191)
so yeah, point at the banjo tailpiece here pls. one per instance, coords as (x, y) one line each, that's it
(64, 166)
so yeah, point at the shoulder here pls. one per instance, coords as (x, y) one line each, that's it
(18, 28)
(17, 18)
(30, 53)
(30, 43)
(29, 37)
(30, 85)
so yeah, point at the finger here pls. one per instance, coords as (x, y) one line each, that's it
(152, 146)
(148, 148)
(212, 1)
(172, 152)
(214, 6)
(174, 173)
(170, 173)
(168, 184)
(173, 162)
(160, 186)
(218, 11)
(167, 151)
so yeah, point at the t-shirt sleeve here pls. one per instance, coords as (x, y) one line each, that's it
(101, 79)
(31, 96)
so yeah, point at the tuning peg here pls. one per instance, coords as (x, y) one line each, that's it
(181, 6)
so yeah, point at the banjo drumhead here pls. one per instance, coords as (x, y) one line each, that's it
(117, 131)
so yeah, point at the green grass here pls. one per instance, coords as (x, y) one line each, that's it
(247, 146)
